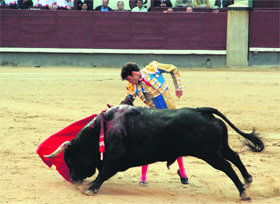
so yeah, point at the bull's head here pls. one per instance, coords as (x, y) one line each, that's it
(80, 164)
(81, 155)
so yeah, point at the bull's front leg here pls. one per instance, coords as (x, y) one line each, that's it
(110, 168)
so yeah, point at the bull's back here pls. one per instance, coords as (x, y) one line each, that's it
(182, 131)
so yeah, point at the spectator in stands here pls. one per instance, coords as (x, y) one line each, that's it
(189, 9)
(183, 3)
(120, 6)
(22, 4)
(67, 4)
(84, 7)
(222, 3)
(52, 4)
(168, 10)
(9, 2)
(39, 3)
(215, 9)
(104, 6)
(201, 4)
(162, 3)
(25, 4)
(88, 4)
(139, 7)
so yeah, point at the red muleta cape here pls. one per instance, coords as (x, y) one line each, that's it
(55, 140)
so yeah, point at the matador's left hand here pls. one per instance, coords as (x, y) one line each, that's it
(179, 92)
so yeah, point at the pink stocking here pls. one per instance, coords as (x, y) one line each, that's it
(144, 172)
(181, 167)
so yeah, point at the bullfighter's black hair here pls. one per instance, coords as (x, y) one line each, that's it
(127, 69)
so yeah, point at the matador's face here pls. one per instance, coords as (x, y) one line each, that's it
(134, 78)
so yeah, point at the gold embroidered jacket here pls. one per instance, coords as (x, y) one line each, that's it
(156, 94)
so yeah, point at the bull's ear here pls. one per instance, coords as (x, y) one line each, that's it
(109, 106)
(60, 149)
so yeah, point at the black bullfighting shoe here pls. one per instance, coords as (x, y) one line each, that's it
(183, 180)
(143, 182)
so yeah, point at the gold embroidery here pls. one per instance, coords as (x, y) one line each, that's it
(156, 87)
(169, 100)
(131, 88)
(150, 68)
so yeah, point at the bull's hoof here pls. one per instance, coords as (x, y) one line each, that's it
(244, 196)
(89, 192)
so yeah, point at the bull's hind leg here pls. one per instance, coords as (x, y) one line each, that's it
(233, 157)
(219, 163)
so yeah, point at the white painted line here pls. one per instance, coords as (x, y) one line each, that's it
(113, 51)
(262, 49)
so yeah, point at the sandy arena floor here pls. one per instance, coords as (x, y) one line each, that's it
(37, 102)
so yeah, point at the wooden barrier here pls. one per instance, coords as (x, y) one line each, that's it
(113, 30)
(265, 28)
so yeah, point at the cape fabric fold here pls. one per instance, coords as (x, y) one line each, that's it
(55, 140)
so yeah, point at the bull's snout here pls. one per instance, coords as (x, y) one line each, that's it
(77, 182)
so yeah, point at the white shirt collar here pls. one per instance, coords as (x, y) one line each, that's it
(143, 75)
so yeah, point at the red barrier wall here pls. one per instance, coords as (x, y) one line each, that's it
(126, 30)
(265, 29)
(113, 30)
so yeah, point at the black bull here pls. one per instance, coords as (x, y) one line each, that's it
(136, 136)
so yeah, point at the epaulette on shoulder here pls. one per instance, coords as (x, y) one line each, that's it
(151, 68)
(131, 88)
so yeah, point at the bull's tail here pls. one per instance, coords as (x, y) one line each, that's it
(255, 144)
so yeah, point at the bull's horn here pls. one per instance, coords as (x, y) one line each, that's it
(60, 149)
